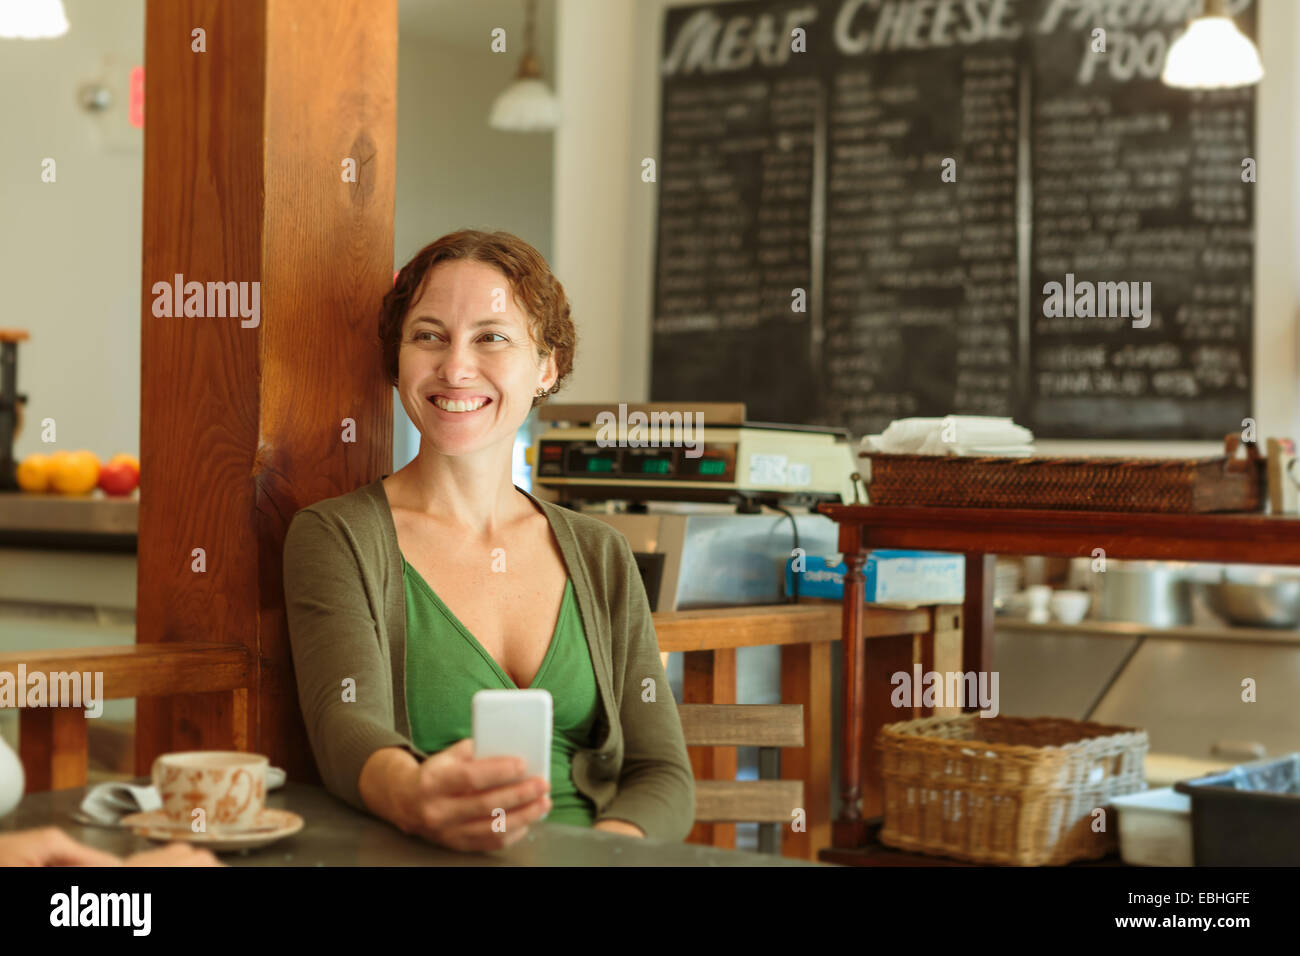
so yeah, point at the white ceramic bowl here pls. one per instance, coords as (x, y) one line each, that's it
(1069, 607)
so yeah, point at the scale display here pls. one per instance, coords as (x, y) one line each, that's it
(584, 459)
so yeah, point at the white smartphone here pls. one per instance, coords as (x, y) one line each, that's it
(514, 723)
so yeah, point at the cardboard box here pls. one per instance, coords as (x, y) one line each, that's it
(893, 577)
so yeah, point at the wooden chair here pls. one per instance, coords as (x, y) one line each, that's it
(769, 800)
(53, 742)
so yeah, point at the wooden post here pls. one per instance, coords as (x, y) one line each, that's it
(849, 830)
(806, 680)
(942, 650)
(977, 641)
(245, 417)
(709, 677)
(53, 745)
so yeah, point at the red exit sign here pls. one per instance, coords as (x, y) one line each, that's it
(135, 98)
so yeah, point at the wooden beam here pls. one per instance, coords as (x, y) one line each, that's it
(145, 670)
(741, 725)
(709, 677)
(806, 681)
(747, 801)
(802, 623)
(243, 419)
(52, 746)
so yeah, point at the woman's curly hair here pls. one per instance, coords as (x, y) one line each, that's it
(533, 285)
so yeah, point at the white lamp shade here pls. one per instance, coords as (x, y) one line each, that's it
(1211, 55)
(32, 19)
(526, 105)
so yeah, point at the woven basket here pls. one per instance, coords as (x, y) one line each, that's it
(1011, 790)
(1162, 485)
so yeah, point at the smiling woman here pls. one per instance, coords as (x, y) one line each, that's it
(409, 595)
(514, 276)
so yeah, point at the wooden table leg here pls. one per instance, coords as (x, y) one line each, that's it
(850, 829)
(884, 657)
(54, 747)
(806, 680)
(941, 650)
(977, 617)
(709, 677)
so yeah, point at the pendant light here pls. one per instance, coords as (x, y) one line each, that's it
(1212, 54)
(32, 19)
(527, 105)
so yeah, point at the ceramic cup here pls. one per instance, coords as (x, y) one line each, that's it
(228, 785)
(1069, 607)
(1039, 596)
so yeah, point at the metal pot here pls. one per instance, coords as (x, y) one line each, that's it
(1156, 593)
(1271, 601)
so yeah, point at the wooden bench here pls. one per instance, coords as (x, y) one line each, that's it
(53, 742)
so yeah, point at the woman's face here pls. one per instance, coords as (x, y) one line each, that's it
(467, 369)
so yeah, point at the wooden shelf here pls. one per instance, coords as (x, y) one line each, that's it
(1266, 635)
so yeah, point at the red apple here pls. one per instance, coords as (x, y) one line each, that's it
(118, 478)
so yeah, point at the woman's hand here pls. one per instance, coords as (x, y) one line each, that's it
(456, 801)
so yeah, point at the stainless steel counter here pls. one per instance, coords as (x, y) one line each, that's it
(92, 521)
(23, 511)
(1203, 692)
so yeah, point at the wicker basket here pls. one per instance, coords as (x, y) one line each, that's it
(1011, 790)
(1162, 485)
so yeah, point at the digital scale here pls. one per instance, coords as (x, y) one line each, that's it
(654, 451)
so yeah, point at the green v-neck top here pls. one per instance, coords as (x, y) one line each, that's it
(346, 609)
(446, 665)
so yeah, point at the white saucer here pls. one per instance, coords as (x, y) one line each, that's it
(147, 825)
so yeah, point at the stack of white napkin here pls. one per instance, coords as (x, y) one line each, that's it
(952, 435)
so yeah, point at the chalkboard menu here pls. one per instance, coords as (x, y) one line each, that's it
(871, 210)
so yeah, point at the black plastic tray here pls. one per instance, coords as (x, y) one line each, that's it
(1247, 816)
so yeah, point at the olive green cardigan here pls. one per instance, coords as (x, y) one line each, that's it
(346, 609)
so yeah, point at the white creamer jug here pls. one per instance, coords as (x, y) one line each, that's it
(11, 778)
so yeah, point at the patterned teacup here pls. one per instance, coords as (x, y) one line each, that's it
(228, 786)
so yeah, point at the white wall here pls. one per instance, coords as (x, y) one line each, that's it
(605, 223)
(70, 250)
(456, 172)
(597, 50)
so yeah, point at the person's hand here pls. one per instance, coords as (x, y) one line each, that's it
(49, 846)
(173, 854)
(452, 797)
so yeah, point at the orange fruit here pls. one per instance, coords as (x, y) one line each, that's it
(34, 473)
(74, 473)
